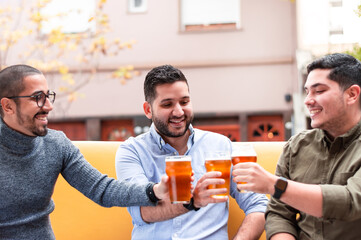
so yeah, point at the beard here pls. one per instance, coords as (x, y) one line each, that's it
(30, 125)
(164, 130)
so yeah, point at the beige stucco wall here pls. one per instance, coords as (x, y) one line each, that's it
(246, 70)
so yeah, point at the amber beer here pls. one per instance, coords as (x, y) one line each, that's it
(239, 159)
(243, 153)
(219, 161)
(179, 171)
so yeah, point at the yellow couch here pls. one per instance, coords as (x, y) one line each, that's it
(77, 217)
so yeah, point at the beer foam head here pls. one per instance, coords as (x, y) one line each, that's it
(245, 150)
(178, 158)
(217, 156)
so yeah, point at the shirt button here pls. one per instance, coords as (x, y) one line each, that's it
(175, 153)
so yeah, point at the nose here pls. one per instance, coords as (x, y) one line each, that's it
(309, 100)
(48, 106)
(178, 110)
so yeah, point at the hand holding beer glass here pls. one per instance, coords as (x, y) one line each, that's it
(179, 171)
(219, 161)
(242, 153)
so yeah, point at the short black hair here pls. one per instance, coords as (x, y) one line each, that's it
(161, 75)
(345, 69)
(11, 80)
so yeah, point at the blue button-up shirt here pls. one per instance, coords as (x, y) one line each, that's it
(142, 159)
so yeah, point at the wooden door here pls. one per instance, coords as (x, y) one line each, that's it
(266, 128)
(74, 130)
(117, 130)
(232, 131)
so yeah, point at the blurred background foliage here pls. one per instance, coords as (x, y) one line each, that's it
(74, 56)
(356, 51)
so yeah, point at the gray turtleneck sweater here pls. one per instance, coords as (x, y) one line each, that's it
(29, 168)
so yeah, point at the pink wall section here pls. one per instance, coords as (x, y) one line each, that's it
(231, 71)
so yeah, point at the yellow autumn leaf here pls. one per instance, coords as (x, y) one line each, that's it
(130, 67)
(63, 69)
(36, 17)
(101, 41)
(101, 3)
(63, 89)
(68, 78)
(127, 75)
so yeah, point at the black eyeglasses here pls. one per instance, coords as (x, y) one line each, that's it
(40, 97)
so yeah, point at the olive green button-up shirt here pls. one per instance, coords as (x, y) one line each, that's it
(310, 157)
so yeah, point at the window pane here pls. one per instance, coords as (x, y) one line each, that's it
(207, 12)
(137, 6)
(71, 15)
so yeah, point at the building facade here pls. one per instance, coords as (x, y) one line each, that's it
(239, 57)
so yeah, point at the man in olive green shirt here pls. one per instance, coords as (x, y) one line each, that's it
(316, 193)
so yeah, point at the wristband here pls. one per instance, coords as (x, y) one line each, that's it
(150, 193)
(190, 206)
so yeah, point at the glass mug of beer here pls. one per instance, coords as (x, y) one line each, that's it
(219, 161)
(179, 171)
(243, 152)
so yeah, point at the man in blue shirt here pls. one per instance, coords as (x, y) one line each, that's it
(142, 159)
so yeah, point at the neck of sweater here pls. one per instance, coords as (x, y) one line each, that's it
(15, 141)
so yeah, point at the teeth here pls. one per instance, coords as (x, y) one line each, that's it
(314, 111)
(175, 121)
(41, 118)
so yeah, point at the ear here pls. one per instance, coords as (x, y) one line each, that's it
(353, 94)
(147, 109)
(7, 105)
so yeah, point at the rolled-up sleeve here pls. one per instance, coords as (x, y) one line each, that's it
(347, 199)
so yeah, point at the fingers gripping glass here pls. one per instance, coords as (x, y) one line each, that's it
(40, 97)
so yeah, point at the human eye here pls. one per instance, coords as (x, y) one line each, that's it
(319, 91)
(166, 104)
(39, 97)
(184, 102)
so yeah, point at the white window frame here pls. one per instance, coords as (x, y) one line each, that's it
(210, 14)
(137, 6)
(74, 16)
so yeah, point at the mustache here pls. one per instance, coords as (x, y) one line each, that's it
(41, 113)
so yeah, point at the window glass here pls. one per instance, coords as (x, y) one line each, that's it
(137, 6)
(71, 15)
(210, 12)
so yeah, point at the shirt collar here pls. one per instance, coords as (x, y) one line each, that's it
(345, 139)
(160, 142)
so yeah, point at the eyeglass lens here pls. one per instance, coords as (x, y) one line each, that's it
(41, 98)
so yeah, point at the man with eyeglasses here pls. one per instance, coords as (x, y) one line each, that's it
(32, 156)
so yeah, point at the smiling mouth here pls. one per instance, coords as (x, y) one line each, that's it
(314, 112)
(42, 116)
(176, 122)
